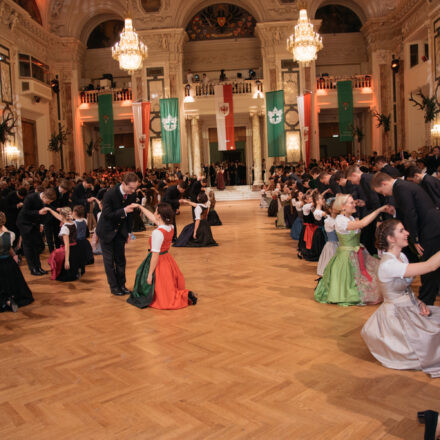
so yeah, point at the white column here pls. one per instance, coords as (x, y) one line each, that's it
(256, 148)
(195, 138)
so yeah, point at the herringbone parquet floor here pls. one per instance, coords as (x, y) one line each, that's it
(257, 358)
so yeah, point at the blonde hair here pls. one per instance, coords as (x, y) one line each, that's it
(66, 213)
(340, 202)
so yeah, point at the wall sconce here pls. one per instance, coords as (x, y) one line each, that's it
(157, 148)
(293, 141)
(12, 153)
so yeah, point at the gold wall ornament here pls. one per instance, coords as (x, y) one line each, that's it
(130, 52)
(304, 44)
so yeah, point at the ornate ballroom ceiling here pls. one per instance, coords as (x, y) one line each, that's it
(77, 18)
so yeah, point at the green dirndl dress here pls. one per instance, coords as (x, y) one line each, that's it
(350, 277)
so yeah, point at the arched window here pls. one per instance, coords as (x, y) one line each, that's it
(105, 35)
(338, 19)
(31, 7)
(221, 21)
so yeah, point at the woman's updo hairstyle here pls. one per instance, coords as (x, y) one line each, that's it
(340, 201)
(166, 213)
(385, 230)
(2, 219)
(202, 197)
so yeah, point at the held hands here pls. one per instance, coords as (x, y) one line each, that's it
(424, 310)
(131, 207)
(43, 211)
(419, 248)
(66, 265)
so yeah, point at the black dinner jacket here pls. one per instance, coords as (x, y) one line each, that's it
(416, 211)
(391, 171)
(432, 186)
(12, 200)
(113, 219)
(172, 196)
(368, 195)
(79, 196)
(29, 217)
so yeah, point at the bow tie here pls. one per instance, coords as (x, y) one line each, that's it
(125, 196)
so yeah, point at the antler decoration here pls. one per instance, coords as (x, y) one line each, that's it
(7, 125)
(383, 121)
(430, 105)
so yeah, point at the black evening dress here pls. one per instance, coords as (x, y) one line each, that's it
(13, 285)
(204, 236)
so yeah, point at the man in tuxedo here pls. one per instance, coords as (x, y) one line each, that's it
(52, 225)
(433, 160)
(114, 228)
(81, 194)
(30, 223)
(329, 181)
(383, 166)
(369, 202)
(429, 183)
(14, 203)
(421, 219)
(172, 196)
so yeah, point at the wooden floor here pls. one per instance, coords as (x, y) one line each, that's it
(257, 358)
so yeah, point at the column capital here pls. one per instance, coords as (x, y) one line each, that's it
(192, 117)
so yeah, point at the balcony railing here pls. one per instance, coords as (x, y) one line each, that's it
(330, 82)
(246, 87)
(91, 96)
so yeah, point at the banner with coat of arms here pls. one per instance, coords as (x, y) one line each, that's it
(276, 136)
(345, 110)
(169, 118)
(106, 127)
(141, 119)
(225, 117)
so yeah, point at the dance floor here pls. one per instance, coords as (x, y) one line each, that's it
(257, 358)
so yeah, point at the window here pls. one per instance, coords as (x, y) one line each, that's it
(427, 51)
(414, 54)
(30, 67)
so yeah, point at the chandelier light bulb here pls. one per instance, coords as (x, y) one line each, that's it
(305, 43)
(130, 52)
(435, 131)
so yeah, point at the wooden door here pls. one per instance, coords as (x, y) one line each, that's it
(30, 151)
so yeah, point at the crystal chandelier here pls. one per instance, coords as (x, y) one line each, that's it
(435, 131)
(305, 44)
(130, 51)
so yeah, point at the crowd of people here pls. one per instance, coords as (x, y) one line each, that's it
(372, 226)
(79, 217)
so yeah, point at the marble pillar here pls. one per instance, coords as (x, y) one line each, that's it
(195, 140)
(256, 149)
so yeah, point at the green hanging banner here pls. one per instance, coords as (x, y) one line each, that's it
(169, 118)
(105, 110)
(276, 136)
(345, 108)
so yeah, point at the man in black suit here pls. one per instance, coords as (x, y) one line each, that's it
(172, 196)
(329, 181)
(421, 219)
(429, 183)
(81, 194)
(367, 200)
(114, 228)
(14, 203)
(52, 225)
(384, 167)
(433, 160)
(30, 223)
